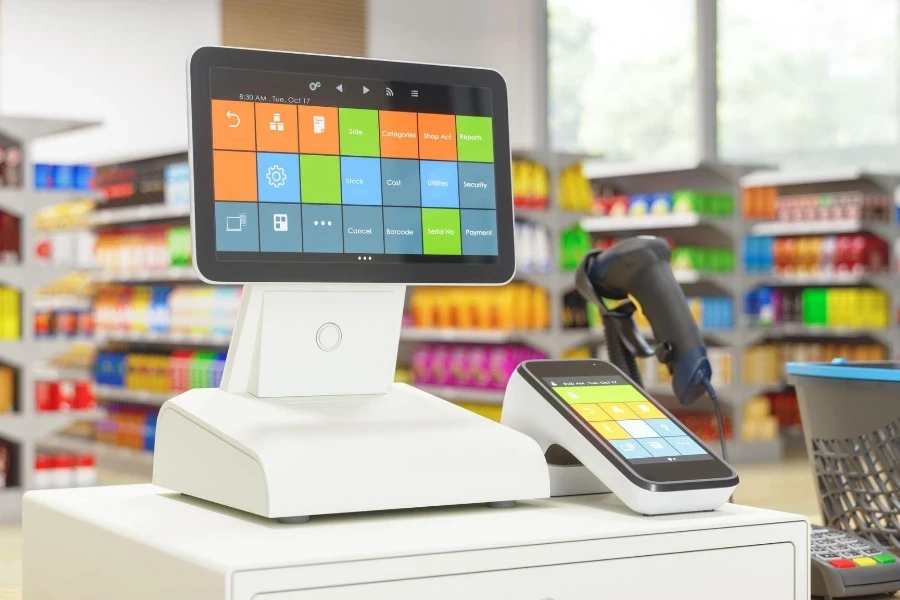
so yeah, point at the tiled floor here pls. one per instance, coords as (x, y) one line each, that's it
(787, 486)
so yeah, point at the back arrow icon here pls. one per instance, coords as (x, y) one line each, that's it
(232, 115)
(340, 88)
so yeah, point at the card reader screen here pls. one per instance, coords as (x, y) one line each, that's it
(632, 424)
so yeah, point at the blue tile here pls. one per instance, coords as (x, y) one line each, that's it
(638, 428)
(363, 230)
(440, 184)
(658, 447)
(686, 446)
(237, 227)
(630, 449)
(476, 186)
(278, 177)
(360, 181)
(665, 427)
(479, 232)
(402, 230)
(322, 228)
(400, 182)
(279, 228)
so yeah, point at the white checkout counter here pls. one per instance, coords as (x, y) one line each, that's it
(145, 543)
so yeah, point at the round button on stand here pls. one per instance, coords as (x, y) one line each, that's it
(328, 337)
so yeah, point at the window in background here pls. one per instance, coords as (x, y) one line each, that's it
(808, 82)
(622, 77)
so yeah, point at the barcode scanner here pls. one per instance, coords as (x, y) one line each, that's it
(639, 267)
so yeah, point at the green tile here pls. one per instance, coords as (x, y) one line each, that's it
(884, 559)
(359, 132)
(474, 139)
(320, 179)
(441, 232)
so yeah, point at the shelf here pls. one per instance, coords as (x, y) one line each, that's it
(155, 275)
(115, 458)
(116, 394)
(644, 222)
(691, 276)
(167, 339)
(22, 201)
(50, 372)
(598, 169)
(105, 215)
(53, 302)
(799, 330)
(24, 353)
(786, 178)
(813, 279)
(469, 394)
(25, 129)
(779, 228)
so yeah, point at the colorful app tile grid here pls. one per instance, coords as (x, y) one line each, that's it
(333, 180)
(633, 425)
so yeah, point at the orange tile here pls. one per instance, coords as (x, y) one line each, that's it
(232, 125)
(645, 410)
(399, 134)
(319, 131)
(276, 127)
(591, 412)
(437, 137)
(234, 175)
(611, 430)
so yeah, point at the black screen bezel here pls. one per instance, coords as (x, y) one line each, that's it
(656, 477)
(213, 270)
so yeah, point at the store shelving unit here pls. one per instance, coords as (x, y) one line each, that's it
(832, 180)
(26, 427)
(114, 458)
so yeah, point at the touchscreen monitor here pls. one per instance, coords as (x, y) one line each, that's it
(313, 168)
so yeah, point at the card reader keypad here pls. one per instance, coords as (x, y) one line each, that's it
(846, 551)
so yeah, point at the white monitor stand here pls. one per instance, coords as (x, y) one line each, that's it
(308, 421)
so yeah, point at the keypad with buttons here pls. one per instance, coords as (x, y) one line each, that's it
(848, 565)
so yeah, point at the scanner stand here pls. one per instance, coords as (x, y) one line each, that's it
(308, 421)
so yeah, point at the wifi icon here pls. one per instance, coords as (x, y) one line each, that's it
(388, 92)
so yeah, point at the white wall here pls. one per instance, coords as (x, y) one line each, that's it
(507, 35)
(118, 61)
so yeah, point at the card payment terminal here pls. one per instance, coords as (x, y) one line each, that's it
(601, 432)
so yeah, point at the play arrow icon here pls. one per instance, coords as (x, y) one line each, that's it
(365, 90)
(340, 88)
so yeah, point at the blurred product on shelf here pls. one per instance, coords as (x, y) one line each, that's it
(785, 407)
(64, 471)
(532, 248)
(574, 190)
(861, 308)
(476, 366)
(160, 179)
(516, 306)
(11, 160)
(144, 248)
(10, 238)
(185, 310)
(578, 353)
(656, 375)
(712, 260)
(764, 364)
(574, 243)
(160, 373)
(610, 202)
(64, 394)
(828, 254)
(128, 427)
(759, 424)
(711, 313)
(7, 389)
(10, 314)
(704, 425)
(575, 311)
(63, 308)
(64, 177)
(766, 203)
(77, 356)
(63, 237)
(177, 184)
(531, 185)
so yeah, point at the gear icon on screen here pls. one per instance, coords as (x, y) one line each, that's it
(276, 176)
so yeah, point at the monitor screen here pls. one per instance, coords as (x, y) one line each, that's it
(349, 172)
